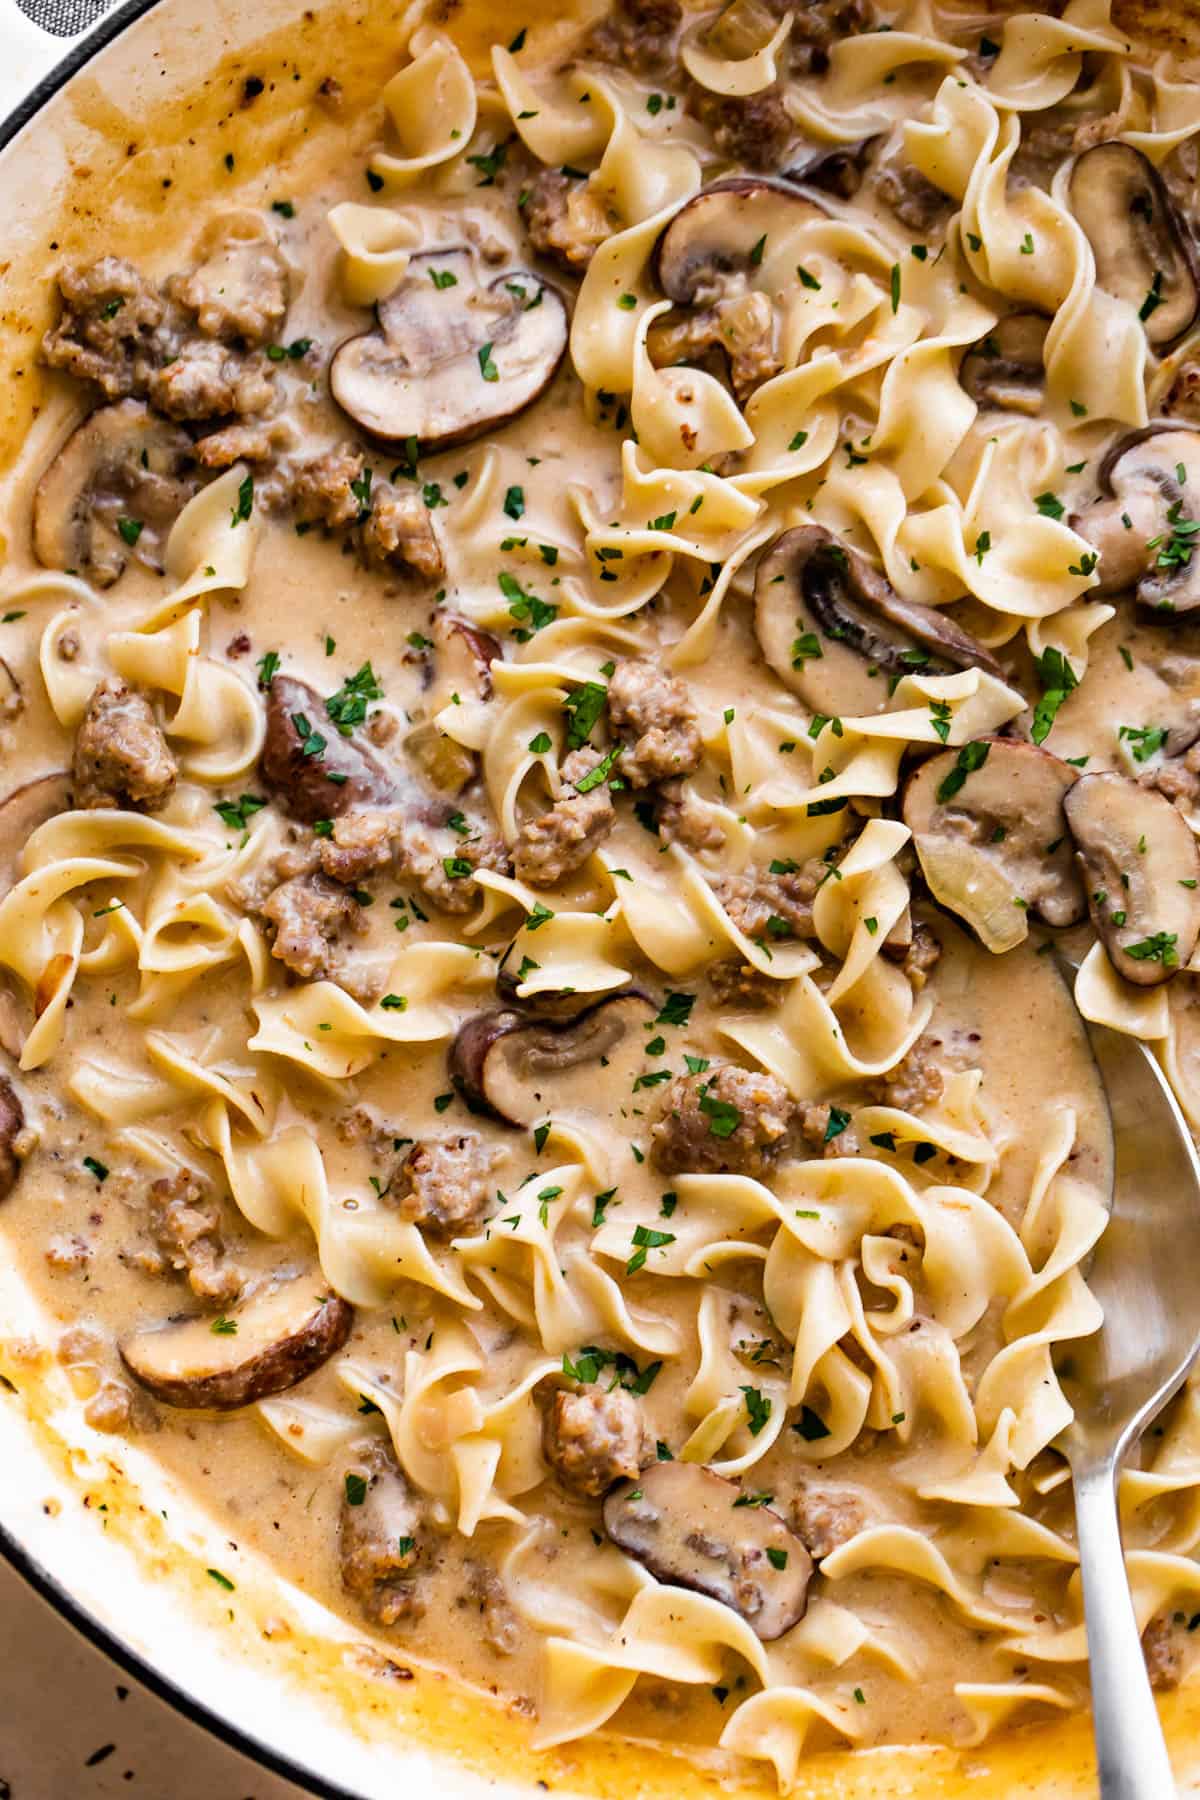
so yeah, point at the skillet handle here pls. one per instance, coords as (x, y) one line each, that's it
(1130, 1750)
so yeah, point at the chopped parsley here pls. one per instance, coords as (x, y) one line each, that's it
(970, 758)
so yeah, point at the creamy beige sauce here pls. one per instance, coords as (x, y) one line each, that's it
(311, 603)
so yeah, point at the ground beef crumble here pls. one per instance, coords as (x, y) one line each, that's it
(445, 1184)
(185, 1224)
(654, 715)
(558, 842)
(121, 756)
(728, 1119)
(592, 1439)
(307, 916)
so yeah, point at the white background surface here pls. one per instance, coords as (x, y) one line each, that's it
(62, 1702)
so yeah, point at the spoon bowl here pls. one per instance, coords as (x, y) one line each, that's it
(1144, 1274)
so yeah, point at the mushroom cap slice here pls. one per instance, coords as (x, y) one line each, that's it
(1152, 479)
(515, 1068)
(277, 1338)
(836, 169)
(713, 241)
(12, 1126)
(113, 492)
(825, 618)
(343, 773)
(1135, 853)
(1005, 369)
(449, 362)
(679, 1520)
(22, 811)
(990, 834)
(1142, 253)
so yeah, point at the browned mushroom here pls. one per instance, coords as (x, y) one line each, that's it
(1140, 867)
(308, 766)
(515, 1067)
(22, 811)
(268, 1344)
(461, 670)
(1145, 525)
(989, 832)
(711, 244)
(452, 356)
(113, 492)
(683, 1523)
(826, 619)
(1005, 369)
(12, 1132)
(1143, 253)
(837, 169)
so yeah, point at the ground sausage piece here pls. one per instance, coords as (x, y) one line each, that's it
(729, 1119)
(682, 820)
(68, 1252)
(559, 842)
(592, 1439)
(565, 220)
(360, 843)
(321, 490)
(487, 1595)
(638, 33)
(308, 915)
(915, 1082)
(763, 905)
(919, 957)
(108, 329)
(121, 756)
(1178, 778)
(207, 380)
(14, 1139)
(816, 1117)
(756, 130)
(738, 984)
(1160, 1647)
(398, 533)
(421, 855)
(656, 711)
(445, 1184)
(824, 1518)
(237, 443)
(377, 1539)
(185, 1223)
(915, 201)
(238, 293)
(110, 1408)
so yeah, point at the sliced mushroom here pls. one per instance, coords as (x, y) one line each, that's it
(989, 831)
(113, 492)
(1140, 867)
(452, 357)
(12, 1137)
(838, 170)
(1005, 369)
(683, 1523)
(461, 671)
(709, 246)
(308, 767)
(22, 811)
(1143, 254)
(263, 1347)
(1145, 526)
(515, 1068)
(825, 619)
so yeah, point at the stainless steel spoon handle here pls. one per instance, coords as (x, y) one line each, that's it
(1130, 1750)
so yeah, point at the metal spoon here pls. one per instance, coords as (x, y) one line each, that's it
(1144, 1276)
